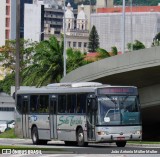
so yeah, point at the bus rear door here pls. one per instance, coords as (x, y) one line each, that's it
(25, 118)
(91, 118)
(53, 116)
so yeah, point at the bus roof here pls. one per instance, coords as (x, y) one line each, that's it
(81, 87)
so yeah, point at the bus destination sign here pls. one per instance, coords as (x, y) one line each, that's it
(118, 90)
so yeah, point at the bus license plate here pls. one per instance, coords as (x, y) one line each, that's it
(120, 138)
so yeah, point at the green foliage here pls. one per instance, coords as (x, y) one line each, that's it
(156, 40)
(114, 50)
(8, 134)
(75, 59)
(137, 45)
(9, 80)
(102, 53)
(93, 40)
(9, 52)
(47, 64)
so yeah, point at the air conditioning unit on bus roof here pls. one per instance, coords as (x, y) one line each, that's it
(75, 85)
(86, 84)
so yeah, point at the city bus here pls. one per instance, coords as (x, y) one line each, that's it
(79, 113)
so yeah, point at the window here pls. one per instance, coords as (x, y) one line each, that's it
(81, 103)
(34, 103)
(85, 44)
(62, 103)
(9, 109)
(79, 44)
(74, 44)
(43, 104)
(69, 44)
(71, 103)
(53, 104)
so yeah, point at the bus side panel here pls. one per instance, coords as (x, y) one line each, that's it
(42, 124)
(67, 125)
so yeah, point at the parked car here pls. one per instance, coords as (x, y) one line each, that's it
(6, 125)
(3, 127)
(11, 124)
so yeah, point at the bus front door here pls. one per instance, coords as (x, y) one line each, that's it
(25, 119)
(53, 117)
(91, 119)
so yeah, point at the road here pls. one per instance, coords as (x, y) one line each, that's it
(93, 150)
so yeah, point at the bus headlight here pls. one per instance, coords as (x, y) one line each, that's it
(102, 133)
(138, 132)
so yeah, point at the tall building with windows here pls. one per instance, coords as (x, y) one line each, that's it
(34, 22)
(22, 4)
(145, 22)
(8, 19)
(5, 18)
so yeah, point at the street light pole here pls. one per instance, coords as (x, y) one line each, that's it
(17, 69)
(123, 27)
(131, 26)
(64, 31)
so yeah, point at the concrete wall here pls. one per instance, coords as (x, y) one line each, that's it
(128, 62)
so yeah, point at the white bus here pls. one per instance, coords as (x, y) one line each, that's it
(79, 113)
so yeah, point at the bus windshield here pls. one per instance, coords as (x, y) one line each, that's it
(119, 110)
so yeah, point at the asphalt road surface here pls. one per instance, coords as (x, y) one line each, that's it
(93, 150)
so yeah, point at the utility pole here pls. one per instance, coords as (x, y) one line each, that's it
(131, 26)
(17, 68)
(64, 31)
(123, 27)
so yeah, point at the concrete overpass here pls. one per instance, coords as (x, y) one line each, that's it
(139, 68)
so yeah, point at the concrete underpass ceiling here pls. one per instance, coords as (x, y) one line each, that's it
(140, 78)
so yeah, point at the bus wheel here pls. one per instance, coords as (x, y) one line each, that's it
(80, 138)
(34, 135)
(121, 143)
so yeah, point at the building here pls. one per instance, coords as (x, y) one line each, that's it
(8, 20)
(7, 15)
(34, 22)
(145, 25)
(76, 35)
(104, 3)
(7, 107)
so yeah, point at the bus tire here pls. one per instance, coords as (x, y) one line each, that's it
(34, 135)
(80, 138)
(121, 143)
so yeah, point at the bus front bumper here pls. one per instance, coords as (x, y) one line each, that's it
(118, 137)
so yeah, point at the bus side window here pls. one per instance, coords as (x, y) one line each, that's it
(71, 103)
(44, 104)
(34, 103)
(81, 103)
(62, 104)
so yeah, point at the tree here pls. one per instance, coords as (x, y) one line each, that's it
(102, 53)
(156, 40)
(8, 52)
(93, 40)
(47, 66)
(114, 50)
(75, 59)
(137, 45)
